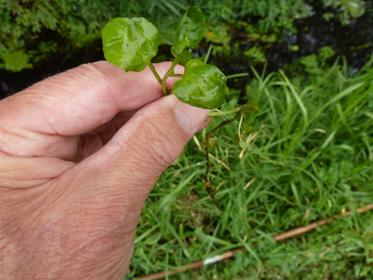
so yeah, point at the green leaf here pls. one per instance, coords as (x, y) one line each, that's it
(130, 43)
(184, 57)
(355, 8)
(16, 61)
(191, 63)
(189, 32)
(218, 34)
(203, 85)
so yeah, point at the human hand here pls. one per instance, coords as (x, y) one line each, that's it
(79, 153)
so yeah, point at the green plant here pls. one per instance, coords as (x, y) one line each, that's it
(56, 31)
(346, 9)
(132, 43)
(306, 155)
(32, 32)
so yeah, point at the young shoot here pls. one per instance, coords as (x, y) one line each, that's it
(132, 43)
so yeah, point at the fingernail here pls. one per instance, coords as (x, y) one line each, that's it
(191, 119)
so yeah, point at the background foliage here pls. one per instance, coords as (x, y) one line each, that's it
(33, 31)
(305, 155)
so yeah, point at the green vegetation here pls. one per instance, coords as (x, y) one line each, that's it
(36, 31)
(132, 43)
(306, 155)
(347, 9)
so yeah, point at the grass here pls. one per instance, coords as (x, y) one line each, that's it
(306, 155)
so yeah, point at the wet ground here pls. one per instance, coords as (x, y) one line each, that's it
(354, 41)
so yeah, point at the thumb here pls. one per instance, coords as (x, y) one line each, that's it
(129, 165)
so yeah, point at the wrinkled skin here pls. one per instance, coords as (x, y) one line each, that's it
(79, 152)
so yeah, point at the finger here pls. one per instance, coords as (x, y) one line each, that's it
(16, 173)
(81, 99)
(128, 166)
(72, 103)
(95, 140)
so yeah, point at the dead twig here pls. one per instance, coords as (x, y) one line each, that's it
(230, 254)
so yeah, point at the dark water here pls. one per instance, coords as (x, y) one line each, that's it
(11, 82)
(354, 41)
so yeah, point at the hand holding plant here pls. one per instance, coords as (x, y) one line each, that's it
(132, 43)
(79, 153)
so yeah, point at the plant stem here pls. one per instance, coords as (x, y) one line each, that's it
(207, 56)
(207, 157)
(176, 75)
(167, 75)
(207, 142)
(238, 75)
(219, 114)
(155, 73)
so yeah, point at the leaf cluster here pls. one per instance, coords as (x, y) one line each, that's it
(131, 44)
(35, 31)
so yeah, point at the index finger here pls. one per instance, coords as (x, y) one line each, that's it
(81, 99)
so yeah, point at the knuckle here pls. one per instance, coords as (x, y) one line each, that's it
(162, 141)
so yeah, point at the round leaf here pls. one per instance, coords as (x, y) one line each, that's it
(189, 32)
(184, 57)
(355, 8)
(130, 43)
(202, 85)
(192, 63)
